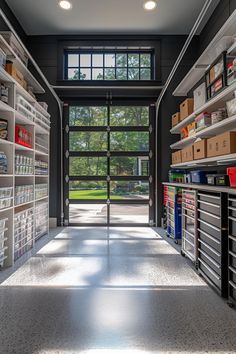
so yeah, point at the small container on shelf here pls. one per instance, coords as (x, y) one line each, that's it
(3, 129)
(231, 107)
(218, 116)
(23, 136)
(203, 121)
(222, 180)
(199, 177)
(231, 172)
(216, 76)
(184, 133)
(199, 95)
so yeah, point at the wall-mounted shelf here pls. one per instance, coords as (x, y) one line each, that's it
(37, 88)
(210, 53)
(215, 103)
(211, 161)
(215, 129)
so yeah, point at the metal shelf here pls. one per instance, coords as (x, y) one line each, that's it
(215, 129)
(207, 57)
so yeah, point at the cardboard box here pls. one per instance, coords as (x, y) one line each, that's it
(223, 144)
(187, 154)
(175, 119)
(186, 108)
(200, 149)
(176, 157)
(15, 73)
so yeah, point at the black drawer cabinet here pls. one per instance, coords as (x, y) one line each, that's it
(232, 248)
(213, 239)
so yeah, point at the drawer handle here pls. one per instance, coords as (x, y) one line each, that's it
(232, 284)
(209, 258)
(210, 248)
(189, 233)
(231, 208)
(206, 223)
(209, 236)
(210, 204)
(233, 238)
(189, 217)
(209, 196)
(232, 218)
(209, 214)
(209, 269)
(232, 269)
(192, 244)
(232, 200)
(232, 254)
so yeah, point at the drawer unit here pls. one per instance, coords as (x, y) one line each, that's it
(213, 239)
(189, 224)
(232, 248)
(174, 202)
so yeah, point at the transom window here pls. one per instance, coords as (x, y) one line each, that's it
(116, 65)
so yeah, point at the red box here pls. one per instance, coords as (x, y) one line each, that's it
(231, 172)
(23, 136)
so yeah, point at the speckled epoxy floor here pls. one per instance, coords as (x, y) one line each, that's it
(100, 291)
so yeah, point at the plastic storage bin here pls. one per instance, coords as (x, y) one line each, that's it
(231, 172)
(199, 177)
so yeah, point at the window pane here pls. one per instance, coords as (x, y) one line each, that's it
(121, 190)
(121, 74)
(129, 214)
(145, 60)
(85, 74)
(133, 74)
(88, 166)
(88, 213)
(110, 74)
(145, 74)
(88, 190)
(129, 116)
(97, 60)
(73, 60)
(109, 60)
(133, 60)
(97, 74)
(85, 60)
(129, 166)
(121, 60)
(88, 141)
(73, 74)
(130, 141)
(87, 116)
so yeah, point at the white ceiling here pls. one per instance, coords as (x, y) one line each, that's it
(44, 17)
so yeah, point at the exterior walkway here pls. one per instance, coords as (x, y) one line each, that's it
(111, 291)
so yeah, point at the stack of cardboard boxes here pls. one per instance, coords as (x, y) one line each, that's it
(223, 144)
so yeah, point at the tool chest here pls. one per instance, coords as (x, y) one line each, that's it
(189, 224)
(232, 248)
(213, 239)
(174, 212)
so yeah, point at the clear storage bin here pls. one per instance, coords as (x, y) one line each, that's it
(6, 192)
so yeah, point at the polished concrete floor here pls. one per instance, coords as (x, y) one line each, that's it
(118, 290)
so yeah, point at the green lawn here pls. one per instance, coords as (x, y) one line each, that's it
(91, 194)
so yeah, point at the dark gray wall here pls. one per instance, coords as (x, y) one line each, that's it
(11, 17)
(44, 50)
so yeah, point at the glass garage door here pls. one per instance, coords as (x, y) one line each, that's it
(109, 165)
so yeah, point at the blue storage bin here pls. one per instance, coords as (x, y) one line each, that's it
(199, 177)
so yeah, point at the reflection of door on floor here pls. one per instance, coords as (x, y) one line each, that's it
(109, 165)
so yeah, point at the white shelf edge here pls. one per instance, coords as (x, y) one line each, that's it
(38, 200)
(6, 209)
(23, 204)
(6, 175)
(5, 107)
(225, 31)
(38, 152)
(207, 132)
(8, 142)
(22, 147)
(206, 162)
(228, 90)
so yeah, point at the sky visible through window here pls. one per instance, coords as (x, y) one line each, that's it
(109, 66)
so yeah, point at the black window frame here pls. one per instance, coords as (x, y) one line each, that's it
(91, 52)
(110, 43)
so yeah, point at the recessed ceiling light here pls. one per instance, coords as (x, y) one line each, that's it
(65, 5)
(150, 5)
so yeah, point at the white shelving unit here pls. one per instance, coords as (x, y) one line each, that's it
(223, 40)
(216, 46)
(18, 239)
